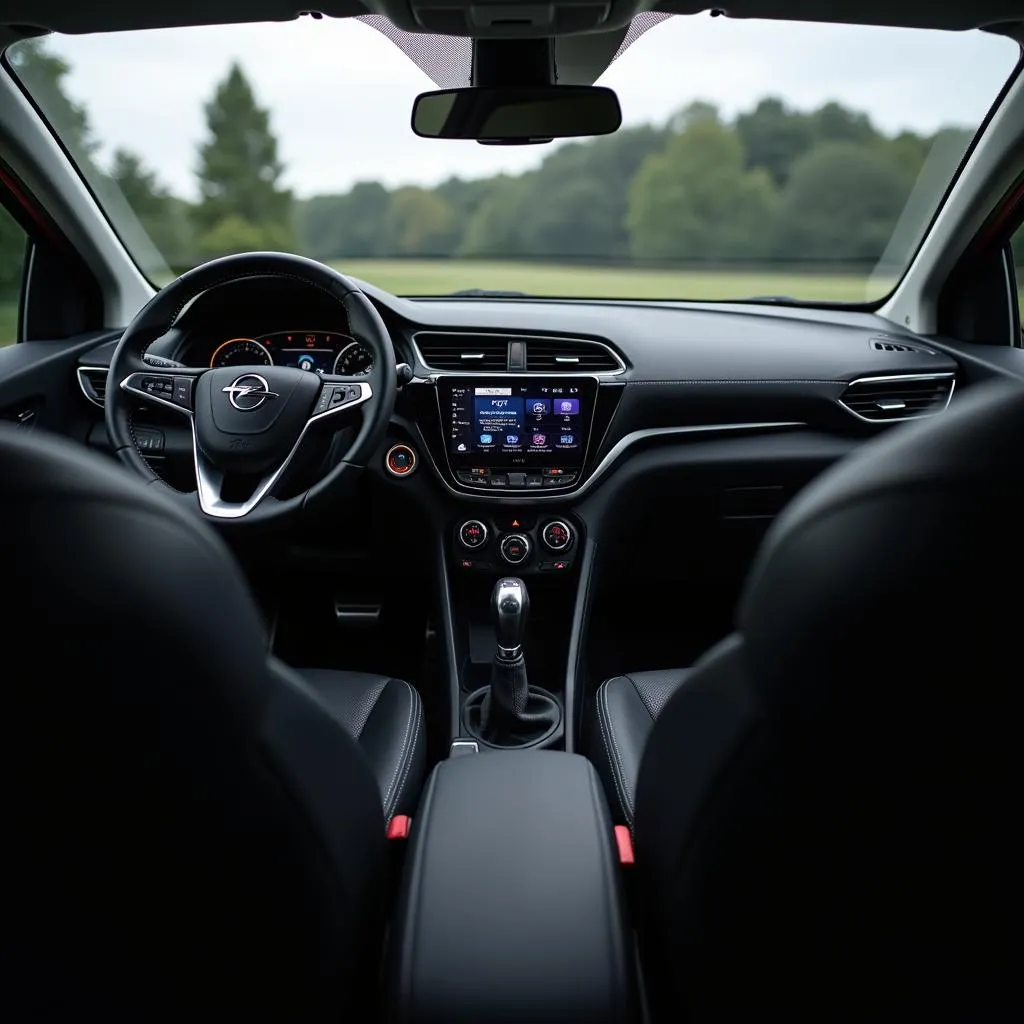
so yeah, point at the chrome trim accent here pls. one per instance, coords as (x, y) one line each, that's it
(510, 653)
(81, 381)
(515, 536)
(511, 496)
(892, 378)
(356, 613)
(463, 747)
(515, 337)
(209, 480)
(470, 522)
(570, 533)
(412, 468)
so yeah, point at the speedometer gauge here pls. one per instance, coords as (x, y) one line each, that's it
(354, 360)
(241, 352)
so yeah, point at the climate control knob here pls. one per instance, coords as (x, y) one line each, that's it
(472, 534)
(514, 548)
(557, 535)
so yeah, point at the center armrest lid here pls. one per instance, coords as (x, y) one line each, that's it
(512, 906)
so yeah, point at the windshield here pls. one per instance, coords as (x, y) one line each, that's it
(756, 159)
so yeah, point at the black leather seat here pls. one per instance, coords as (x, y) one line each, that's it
(188, 823)
(826, 812)
(624, 712)
(385, 716)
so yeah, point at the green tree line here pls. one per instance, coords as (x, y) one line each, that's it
(771, 185)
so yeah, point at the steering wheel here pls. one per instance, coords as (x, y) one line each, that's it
(248, 423)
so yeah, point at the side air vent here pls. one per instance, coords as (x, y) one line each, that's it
(885, 343)
(93, 382)
(570, 355)
(908, 397)
(468, 352)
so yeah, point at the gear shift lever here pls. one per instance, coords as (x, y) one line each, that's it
(510, 605)
(509, 713)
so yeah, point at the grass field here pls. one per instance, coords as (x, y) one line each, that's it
(8, 322)
(438, 277)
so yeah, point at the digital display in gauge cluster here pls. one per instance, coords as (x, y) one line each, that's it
(319, 352)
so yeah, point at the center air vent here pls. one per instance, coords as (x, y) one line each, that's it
(93, 382)
(468, 352)
(908, 397)
(570, 355)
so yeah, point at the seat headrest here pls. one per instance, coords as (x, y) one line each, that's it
(905, 558)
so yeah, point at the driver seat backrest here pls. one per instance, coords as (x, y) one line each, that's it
(185, 829)
(827, 809)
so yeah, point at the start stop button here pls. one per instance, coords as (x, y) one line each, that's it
(400, 460)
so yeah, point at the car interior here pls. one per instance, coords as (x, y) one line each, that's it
(501, 657)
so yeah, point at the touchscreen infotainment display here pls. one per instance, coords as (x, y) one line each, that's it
(518, 420)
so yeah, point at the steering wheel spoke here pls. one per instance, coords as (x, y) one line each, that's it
(172, 389)
(213, 482)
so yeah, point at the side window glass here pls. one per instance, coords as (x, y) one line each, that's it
(12, 258)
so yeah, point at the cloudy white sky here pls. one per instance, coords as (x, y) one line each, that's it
(340, 93)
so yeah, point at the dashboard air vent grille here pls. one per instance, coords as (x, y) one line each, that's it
(884, 399)
(468, 352)
(93, 382)
(569, 355)
(888, 344)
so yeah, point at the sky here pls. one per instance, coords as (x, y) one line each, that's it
(340, 93)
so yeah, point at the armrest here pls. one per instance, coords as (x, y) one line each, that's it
(512, 906)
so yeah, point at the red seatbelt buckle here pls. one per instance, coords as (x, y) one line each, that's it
(398, 827)
(624, 841)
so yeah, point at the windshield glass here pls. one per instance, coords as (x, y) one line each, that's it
(755, 159)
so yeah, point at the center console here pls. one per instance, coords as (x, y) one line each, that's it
(511, 452)
(512, 906)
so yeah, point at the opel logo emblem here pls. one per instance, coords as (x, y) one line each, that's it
(249, 392)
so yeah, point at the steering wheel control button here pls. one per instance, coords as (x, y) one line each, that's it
(472, 534)
(159, 387)
(515, 548)
(556, 535)
(400, 460)
(183, 392)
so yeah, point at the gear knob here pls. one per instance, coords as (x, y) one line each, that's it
(510, 605)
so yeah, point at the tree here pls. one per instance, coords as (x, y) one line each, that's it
(774, 136)
(419, 223)
(43, 73)
(239, 171)
(842, 203)
(164, 217)
(696, 199)
(348, 225)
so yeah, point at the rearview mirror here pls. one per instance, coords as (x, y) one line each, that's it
(514, 115)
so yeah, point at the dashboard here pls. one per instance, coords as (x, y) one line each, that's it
(548, 400)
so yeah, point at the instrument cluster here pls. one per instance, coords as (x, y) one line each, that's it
(316, 351)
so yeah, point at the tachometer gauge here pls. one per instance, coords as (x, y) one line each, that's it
(241, 352)
(354, 360)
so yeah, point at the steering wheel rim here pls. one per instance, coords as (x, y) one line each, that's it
(212, 405)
